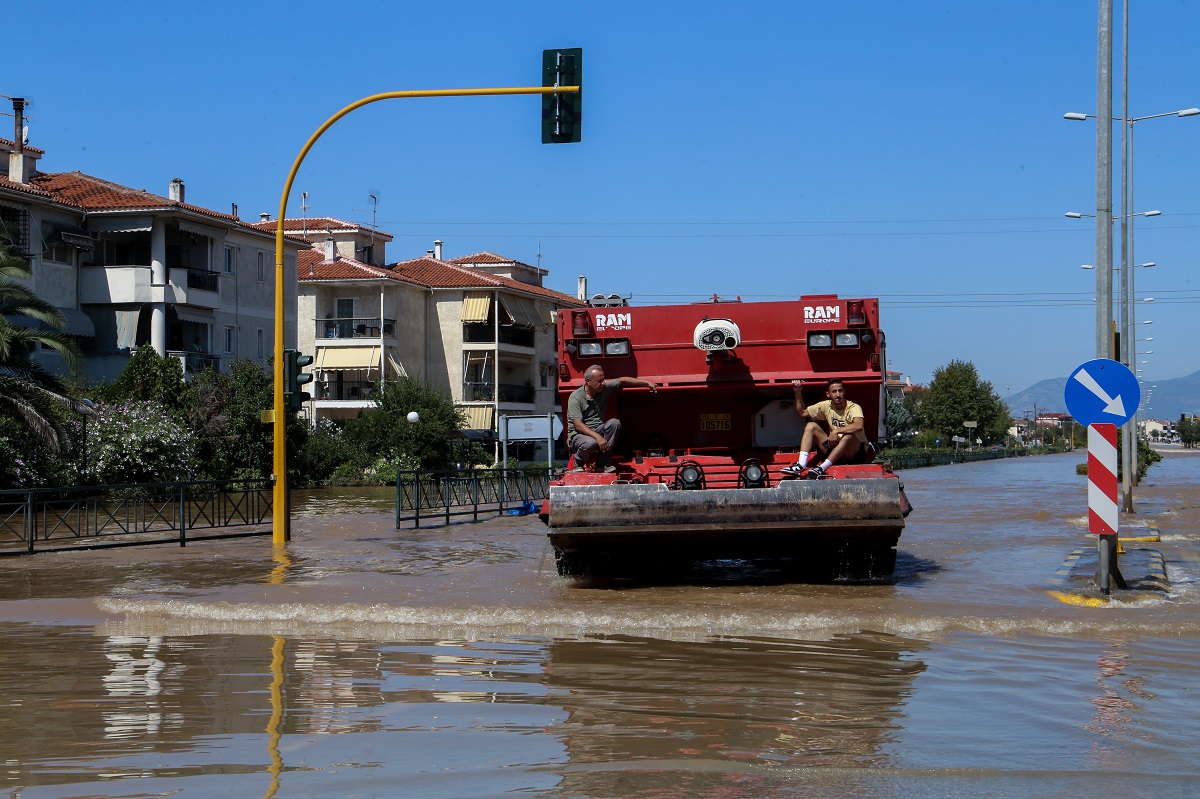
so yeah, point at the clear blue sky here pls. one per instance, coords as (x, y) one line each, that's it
(910, 151)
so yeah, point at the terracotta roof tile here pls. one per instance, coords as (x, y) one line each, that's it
(492, 258)
(444, 274)
(5, 183)
(318, 224)
(312, 266)
(10, 145)
(95, 194)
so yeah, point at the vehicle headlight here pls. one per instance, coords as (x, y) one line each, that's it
(820, 340)
(846, 340)
(589, 348)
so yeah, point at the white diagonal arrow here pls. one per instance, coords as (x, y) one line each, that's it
(1112, 405)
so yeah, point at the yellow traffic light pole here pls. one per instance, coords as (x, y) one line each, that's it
(281, 513)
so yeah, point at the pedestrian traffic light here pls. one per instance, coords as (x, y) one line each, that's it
(294, 377)
(562, 112)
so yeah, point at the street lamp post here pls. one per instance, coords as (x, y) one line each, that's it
(1128, 437)
(281, 521)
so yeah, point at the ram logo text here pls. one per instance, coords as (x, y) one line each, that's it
(822, 313)
(614, 321)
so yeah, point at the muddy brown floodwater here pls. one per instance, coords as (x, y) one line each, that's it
(453, 662)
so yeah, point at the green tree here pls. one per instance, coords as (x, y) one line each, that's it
(384, 432)
(900, 421)
(225, 413)
(30, 394)
(1188, 431)
(150, 377)
(957, 395)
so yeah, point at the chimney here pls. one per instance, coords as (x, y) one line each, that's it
(175, 192)
(429, 253)
(20, 163)
(582, 288)
(264, 217)
(437, 249)
(330, 249)
(235, 216)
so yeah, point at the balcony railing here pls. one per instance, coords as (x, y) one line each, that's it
(344, 390)
(195, 362)
(202, 279)
(485, 334)
(486, 392)
(356, 327)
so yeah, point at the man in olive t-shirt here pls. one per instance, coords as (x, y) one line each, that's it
(590, 436)
(846, 437)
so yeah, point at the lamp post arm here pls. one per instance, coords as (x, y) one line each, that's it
(281, 517)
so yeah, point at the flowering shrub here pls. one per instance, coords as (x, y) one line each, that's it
(139, 442)
(26, 461)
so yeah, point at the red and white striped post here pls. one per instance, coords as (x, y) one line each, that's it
(1102, 479)
(1102, 501)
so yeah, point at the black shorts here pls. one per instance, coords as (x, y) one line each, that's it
(865, 454)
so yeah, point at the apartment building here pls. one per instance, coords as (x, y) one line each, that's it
(480, 326)
(130, 268)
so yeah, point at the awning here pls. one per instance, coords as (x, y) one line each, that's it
(397, 368)
(476, 305)
(329, 358)
(548, 314)
(523, 311)
(479, 417)
(187, 226)
(71, 236)
(120, 224)
(191, 315)
(78, 323)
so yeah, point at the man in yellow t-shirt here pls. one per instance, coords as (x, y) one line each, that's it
(845, 438)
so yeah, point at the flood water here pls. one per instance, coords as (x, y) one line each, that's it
(453, 662)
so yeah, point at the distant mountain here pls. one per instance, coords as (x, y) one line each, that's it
(1046, 396)
(1180, 395)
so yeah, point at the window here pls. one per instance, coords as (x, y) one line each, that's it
(261, 347)
(229, 256)
(14, 228)
(60, 254)
(229, 340)
(262, 267)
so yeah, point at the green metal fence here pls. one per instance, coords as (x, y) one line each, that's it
(443, 495)
(55, 519)
(916, 459)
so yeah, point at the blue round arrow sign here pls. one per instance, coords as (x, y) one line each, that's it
(1102, 391)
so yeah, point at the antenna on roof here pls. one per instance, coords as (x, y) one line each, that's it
(304, 215)
(539, 263)
(374, 216)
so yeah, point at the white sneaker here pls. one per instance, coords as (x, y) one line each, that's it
(795, 470)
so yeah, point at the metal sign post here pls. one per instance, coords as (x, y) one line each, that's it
(1103, 394)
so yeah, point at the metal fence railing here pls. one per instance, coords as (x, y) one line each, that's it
(916, 459)
(443, 495)
(90, 517)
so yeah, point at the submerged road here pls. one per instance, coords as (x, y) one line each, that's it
(451, 662)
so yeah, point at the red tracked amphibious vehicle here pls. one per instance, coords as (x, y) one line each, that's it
(698, 463)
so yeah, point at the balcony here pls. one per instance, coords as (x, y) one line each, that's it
(195, 362)
(357, 327)
(344, 390)
(486, 334)
(197, 287)
(486, 392)
(105, 285)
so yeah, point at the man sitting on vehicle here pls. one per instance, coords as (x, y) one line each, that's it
(846, 439)
(592, 438)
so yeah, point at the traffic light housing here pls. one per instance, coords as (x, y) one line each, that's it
(562, 112)
(294, 377)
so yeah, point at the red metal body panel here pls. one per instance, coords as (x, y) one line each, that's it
(707, 402)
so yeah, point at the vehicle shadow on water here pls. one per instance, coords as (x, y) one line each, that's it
(748, 572)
